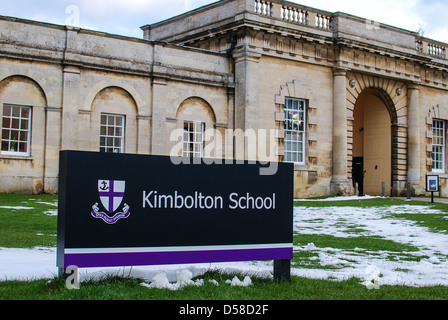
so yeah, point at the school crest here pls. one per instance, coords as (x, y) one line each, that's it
(111, 194)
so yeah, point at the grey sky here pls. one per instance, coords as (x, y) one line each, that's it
(126, 17)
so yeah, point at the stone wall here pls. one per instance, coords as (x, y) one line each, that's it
(71, 76)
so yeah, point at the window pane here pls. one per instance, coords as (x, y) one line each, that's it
(6, 111)
(15, 124)
(14, 135)
(16, 111)
(110, 131)
(22, 147)
(25, 113)
(5, 134)
(24, 124)
(6, 123)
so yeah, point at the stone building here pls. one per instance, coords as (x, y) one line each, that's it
(343, 98)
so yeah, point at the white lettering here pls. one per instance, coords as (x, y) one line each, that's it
(233, 207)
(198, 200)
(146, 200)
(248, 202)
(191, 204)
(178, 197)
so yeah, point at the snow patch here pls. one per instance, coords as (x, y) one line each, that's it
(426, 265)
(235, 282)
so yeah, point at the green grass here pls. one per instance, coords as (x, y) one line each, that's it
(435, 222)
(31, 227)
(119, 288)
(34, 228)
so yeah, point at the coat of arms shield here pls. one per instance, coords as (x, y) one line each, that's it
(111, 194)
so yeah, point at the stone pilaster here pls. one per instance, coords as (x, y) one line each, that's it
(414, 135)
(246, 98)
(340, 183)
(70, 106)
(158, 138)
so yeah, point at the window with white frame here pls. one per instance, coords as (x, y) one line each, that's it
(438, 145)
(112, 133)
(193, 142)
(295, 124)
(16, 130)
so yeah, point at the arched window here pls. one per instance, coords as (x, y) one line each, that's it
(195, 116)
(19, 96)
(114, 121)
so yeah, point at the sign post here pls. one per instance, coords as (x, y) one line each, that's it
(432, 185)
(119, 210)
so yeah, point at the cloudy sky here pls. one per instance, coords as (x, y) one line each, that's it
(125, 17)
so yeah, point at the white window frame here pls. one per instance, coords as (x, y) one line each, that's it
(111, 141)
(295, 131)
(193, 139)
(439, 143)
(19, 129)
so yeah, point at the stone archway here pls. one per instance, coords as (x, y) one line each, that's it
(372, 145)
(386, 102)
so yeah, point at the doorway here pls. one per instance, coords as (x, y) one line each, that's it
(372, 145)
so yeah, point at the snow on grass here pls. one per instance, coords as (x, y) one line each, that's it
(405, 268)
(427, 265)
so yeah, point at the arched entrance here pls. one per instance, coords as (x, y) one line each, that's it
(372, 144)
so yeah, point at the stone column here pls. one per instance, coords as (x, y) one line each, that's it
(143, 134)
(70, 106)
(414, 135)
(246, 100)
(340, 183)
(158, 138)
(52, 147)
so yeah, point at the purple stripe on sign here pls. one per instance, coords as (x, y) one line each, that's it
(92, 260)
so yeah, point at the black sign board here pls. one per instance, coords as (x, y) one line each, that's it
(130, 210)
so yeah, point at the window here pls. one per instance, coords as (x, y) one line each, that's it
(16, 130)
(112, 133)
(438, 145)
(193, 139)
(295, 131)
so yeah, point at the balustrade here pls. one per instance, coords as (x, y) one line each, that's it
(436, 50)
(263, 7)
(305, 16)
(295, 15)
(323, 21)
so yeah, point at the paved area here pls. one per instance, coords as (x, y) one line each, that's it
(425, 199)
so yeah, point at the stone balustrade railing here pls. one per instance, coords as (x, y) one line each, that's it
(431, 48)
(306, 16)
(294, 14)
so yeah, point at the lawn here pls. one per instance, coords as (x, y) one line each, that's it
(331, 251)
